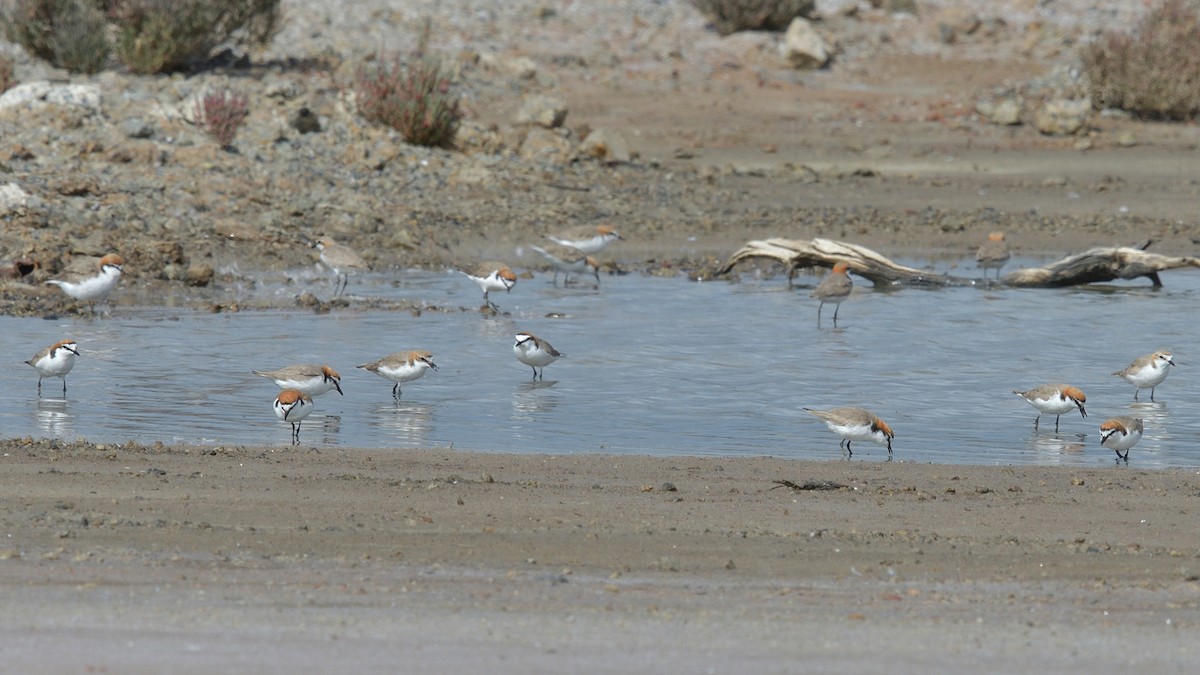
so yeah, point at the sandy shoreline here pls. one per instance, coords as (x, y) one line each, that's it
(273, 559)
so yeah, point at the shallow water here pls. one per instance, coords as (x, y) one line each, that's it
(655, 366)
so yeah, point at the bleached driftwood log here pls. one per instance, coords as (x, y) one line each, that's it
(1094, 265)
(1099, 264)
(797, 254)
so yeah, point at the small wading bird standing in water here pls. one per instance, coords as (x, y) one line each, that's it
(835, 288)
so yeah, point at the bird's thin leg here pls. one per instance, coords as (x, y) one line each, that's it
(819, 314)
(849, 452)
(1138, 390)
(39, 387)
(1151, 393)
(396, 391)
(835, 311)
(64, 387)
(1035, 422)
(1056, 417)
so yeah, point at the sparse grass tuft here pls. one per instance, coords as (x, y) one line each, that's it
(222, 114)
(1153, 72)
(69, 34)
(731, 16)
(414, 97)
(7, 79)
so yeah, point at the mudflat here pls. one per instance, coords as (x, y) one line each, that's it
(271, 559)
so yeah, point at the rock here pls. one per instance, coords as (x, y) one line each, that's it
(474, 137)
(1063, 117)
(200, 274)
(1006, 112)
(802, 47)
(607, 146)
(544, 145)
(305, 121)
(521, 67)
(1126, 139)
(13, 199)
(546, 111)
(136, 127)
(41, 93)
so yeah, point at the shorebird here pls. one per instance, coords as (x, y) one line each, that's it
(91, 280)
(856, 424)
(401, 367)
(491, 276)
(55, 361)
(1147, 372)
(1054, 399)
(993, 254)
(307, 378)
(835, 288)
(535, 353)
(569, 261)
(343, 260)
(1121, 433)
(588, 239)
(293, 406)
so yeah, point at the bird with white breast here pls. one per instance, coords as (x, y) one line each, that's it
(343, 260)
(402, 367)
(856, 424)
(535, 353)
(308, 378)
(569, 261)
(491, 276)
(1054, 399)
(55, 361)
(293, 406)
(91, 280)
(1121, 433)
(1147, 372)
(587, 239)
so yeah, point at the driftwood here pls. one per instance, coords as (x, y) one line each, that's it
(1094, 265)
(1098, 264)
(863, 261)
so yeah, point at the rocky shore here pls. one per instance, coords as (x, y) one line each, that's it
(631, 114)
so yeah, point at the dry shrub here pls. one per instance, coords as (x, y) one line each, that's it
(155, 36)
(414, 97)
(69, 34)
(152, 36)
(1154, 72)
(222, 114)
(731, 16)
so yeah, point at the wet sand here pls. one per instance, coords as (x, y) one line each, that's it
(299, 560)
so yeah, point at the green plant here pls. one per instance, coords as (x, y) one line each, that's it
(164, 35)
(222, 114)
(1153, 72)
(414, 97)
(731, 16)
(68, 33)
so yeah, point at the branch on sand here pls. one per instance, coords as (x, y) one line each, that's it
(1091, 266)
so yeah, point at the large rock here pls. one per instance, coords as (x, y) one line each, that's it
(1005, 112)
(607, 146)
(1063, 117)
(546, 145)
(42, 93)
(542, 110)
(802, 46)
(13, 200)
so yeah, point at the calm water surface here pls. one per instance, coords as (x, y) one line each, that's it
(654, 366)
